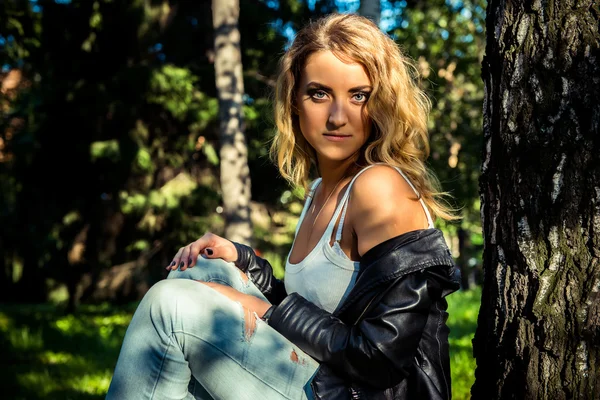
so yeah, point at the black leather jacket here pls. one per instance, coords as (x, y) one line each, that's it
(389, 339)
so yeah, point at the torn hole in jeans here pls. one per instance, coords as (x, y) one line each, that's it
(249, 323)
(294, 357)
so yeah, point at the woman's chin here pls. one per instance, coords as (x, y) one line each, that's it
(336, 156)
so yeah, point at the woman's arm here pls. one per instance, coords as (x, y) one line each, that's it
(260, 272)
(376, 351)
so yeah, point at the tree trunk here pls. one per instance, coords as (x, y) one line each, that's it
(463, 259)
(235, 175)
(371, 9)
(538, 334)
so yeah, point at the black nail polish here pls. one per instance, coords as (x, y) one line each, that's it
(209, 252)
(172, 263)
(190, 262)
(181, 264)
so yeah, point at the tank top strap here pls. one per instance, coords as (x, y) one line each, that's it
(344, 204)
(338, 234)
(307, 203)
(429, 219)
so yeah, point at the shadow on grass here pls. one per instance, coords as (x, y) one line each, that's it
(47, 354)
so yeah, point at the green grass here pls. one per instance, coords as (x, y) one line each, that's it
(463, 307)
(49, 355)
(45, 354)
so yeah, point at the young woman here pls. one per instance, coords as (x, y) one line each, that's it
(361, 313)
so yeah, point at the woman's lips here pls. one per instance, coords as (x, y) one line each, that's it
(336, 137)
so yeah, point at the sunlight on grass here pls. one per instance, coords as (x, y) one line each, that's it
(95, 384)
(4, 322)
(69, 325)
(25, 339)
(44, 383)
(49, 355)
(51, 358)
(463, 307)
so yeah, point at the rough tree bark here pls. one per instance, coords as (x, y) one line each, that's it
(371, 9)
(538, 334)
(235, 175)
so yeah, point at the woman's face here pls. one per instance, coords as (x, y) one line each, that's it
(331, 104)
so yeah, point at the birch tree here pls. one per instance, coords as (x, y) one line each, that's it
(235, 175)
(538, 334)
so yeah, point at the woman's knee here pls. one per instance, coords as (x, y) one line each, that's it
(169, 294)
(165, 291)
(173, 303)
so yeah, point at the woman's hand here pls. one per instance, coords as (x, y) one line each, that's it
(251, 303)
(209, 245)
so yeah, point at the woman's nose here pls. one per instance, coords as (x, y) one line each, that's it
(337, 115)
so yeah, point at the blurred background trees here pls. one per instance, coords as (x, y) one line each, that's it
(109, 138)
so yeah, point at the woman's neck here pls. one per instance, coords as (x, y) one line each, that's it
(332, 172)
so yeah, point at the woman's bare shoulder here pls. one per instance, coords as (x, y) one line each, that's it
(383, 205)
(381, 185)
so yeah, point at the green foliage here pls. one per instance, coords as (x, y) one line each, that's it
(105, 149)
(211, 154)
(277, 262)
(143, 161)
(140, 130)
(173, 88)
(447, 41)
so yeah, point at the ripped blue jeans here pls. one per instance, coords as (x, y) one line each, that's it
(187, 341)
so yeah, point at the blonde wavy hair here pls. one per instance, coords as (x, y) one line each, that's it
(397, 108)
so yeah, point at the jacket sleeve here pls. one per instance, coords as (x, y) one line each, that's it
(379, 349)
(260, 272)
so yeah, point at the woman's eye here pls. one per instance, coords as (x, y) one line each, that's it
(318, 94)
(360, 97)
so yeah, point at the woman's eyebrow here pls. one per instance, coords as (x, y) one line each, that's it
(318, 85)
(360, 88)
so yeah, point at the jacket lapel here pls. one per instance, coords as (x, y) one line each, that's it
(396, 257)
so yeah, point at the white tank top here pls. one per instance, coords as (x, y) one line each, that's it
(326, 275)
